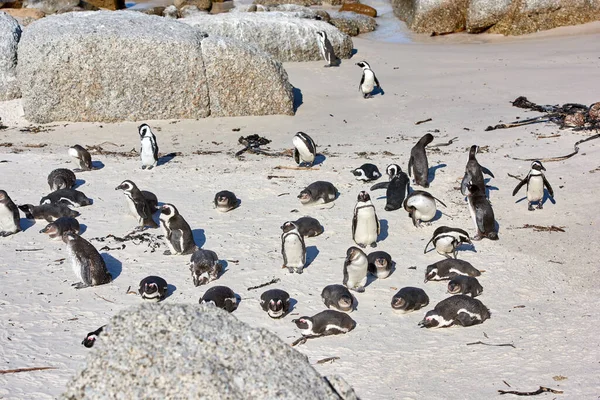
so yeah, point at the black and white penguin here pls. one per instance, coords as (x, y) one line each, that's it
(142, 204)
(421, 207)
(275, 302)
(205, 266)
(88, 265)
(338, 297)
(305, 149)
(307, 226)
(446, 240)
(153, 288)
(293, 248)
(225, 201)
(61, 178)
(178, 233)
(90, 338)
(221, 297)
(448, 269)
(462, 284)
(380, 264)
(535, 180)
(327, 50)
(396, 187)
(456, 310)
(56, 230)
(418, 167)
(69, 197)
(481, 213)
(149, 147)
(365, 224)
(369, 81)
(409, 299)
(366, 173)
(49, 212)
(318, 192)
(474, 172)
(325, 323)
(10, 221)
(356, 266)
(84, 157)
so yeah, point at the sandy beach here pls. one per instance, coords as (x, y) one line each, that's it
(541, 287)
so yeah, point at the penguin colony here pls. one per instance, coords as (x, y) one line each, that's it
(459, 309)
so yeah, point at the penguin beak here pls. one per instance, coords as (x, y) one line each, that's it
(294, 320)
(422, 324)
(119, 187)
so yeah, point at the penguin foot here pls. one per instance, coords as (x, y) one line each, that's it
(290, 270)
(167, 252)
(80, 285)
(327, 65)
(530, 207)
(374, 244)
(150, 167)
(143, 167)
(299, 270)
(5, 234)
(478, 237)
(540, 206)
(361, 245)
(359, 289)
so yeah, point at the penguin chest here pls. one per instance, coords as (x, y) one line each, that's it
(445, 245)
(303, 150)
(366, 226)
(425, 208)
(294, 251)
(473, 212)
(132, 208)
(76, 263)
(535, 188)
(357, 272)
(147, 152)
(368, 82)
(7, 222)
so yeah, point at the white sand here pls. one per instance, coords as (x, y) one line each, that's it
(464, 88)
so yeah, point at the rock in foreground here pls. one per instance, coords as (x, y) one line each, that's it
(175, 351)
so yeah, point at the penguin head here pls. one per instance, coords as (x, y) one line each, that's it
(353, 253)
(537, 165)
(381, 263)
(304, 323)
(275, 308)
(27, 209)
(454, 287)
(345, 303)
(473, 150)
(168, 210)
(398, 303)
(360, 174)
(430, 273)
(363, 65)
(431, 320)
(150, 287)
(288, 226)
(50, 229)
(322, 34)
(363, 196)
(3, 196)
(89, 340)
(305, 196)
(144, 130)
(126, 186)
(393, 170)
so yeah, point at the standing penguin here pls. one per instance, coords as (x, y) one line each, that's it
(293, 248)
(327, 50)
(369, 81)
(81, 154)
(396, 188)
(365, 224)
(456, 310)
(420, 206)
(305, 149)
(417, 164)
(88, 265)
(142, 204)
(535, 180)
(149, 147)
(356, 266)
(55, 230)
(481, 213)
(10, 222)
(474, 172)
(177, 231)
(446, 240)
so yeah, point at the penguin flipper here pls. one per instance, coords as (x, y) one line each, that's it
(486, 171)
(296, 156)
(520, 185)
(547, 184)
(362, 80)
(427, 245)
(377, 220)
(464, 319)
(345, 280)
(465, 183)
(354, 222)
(380, 185)
(441, 202)
(376, 81)
(283, 251)
(410, 162)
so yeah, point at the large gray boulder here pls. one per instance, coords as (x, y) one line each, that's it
(285, 38)
(178, 351)
(10, 34)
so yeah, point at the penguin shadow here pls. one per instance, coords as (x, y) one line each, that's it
(377, 90)
(224, 268)
(298, 98)
(82, 229)
(166, 159)
(437, 216)
(97, 165)
(114, 266)
(26, 223)
(311, 254)
(79, 182)
(292, 306)
(319, 159)
(383, 230)
(354, 51)
(199, 237)
(465, 247)
(432, 170)
(488, 188)
(170, 290)
(547, 197)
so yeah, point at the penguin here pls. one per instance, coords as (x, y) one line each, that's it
(177, 231)
(205, 266)
(55, 230)
(380, 264)
(365, 224)
(327, 50)
(293, 248)
(462, 284)
(307, 226)
(325, 323)
(396, 188)
(369, 81)
(149, 147)
(446, 240)
(49, 212)
(221, 297)
(474, 172)
(338, 297)
(84, 157)
(10, 221)
(481, 213)
(319, 191)
(69, 197)
(305, 149)
(61, 178)
(153, 288)
(448, 269)
(275, 302)
(367, 173)
(88, 265)
(420, 206)
(535, 180)
(409, 299)
(90, 338)
(355, 269)
(142, 204)
(456, 310)
(225, 201)
(417, 164)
